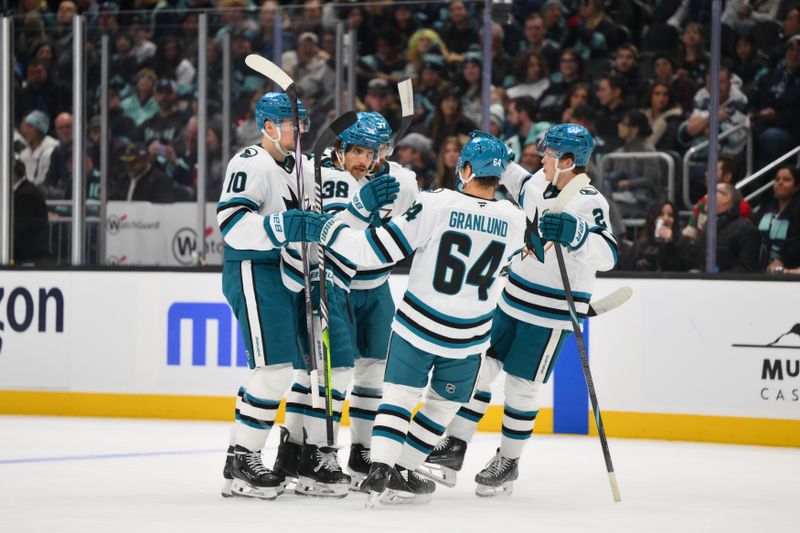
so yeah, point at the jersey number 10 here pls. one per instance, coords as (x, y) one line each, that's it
(451, 272)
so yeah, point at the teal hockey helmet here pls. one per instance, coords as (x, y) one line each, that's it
(276, 107)
(569, 139)
(486, 154)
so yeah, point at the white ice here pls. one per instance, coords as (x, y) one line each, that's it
(144, 476)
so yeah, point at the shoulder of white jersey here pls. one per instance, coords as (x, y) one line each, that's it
(589, 195)
(251, 159)
(406, 176)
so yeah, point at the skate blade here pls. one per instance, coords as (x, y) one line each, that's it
(245, 490)
(485, 491)
(394, 497)
(308, 487)
(355, 480)
(226, 488)
(438, 473)
(372, 500)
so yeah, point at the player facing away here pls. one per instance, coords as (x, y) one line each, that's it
(441, 327)
(372, 305)
(257, 218)
(532, 319)
(304, 453)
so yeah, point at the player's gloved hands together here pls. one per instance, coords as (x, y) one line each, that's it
(294, 226)
(564, 228)
(323, 228)
(375, 194)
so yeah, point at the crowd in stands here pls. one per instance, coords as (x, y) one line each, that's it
(635, 72)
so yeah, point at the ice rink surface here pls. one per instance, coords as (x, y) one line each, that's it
(109, 475)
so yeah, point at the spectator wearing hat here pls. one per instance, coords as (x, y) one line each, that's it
(555, 24)
(536, 41)
(314, 78)
(448, 120)
(459, 31)
(36, 156)
(31, 230)
(777, 106)
(378, 100)
(141, 181)
(531, 75)
(119, 124)
(141, 105)
(469, 86)
(612, 107)
(414, 152)
(430, 84)
(497, 120)
(163, 128)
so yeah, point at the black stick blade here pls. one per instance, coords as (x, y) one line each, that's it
(328, 136)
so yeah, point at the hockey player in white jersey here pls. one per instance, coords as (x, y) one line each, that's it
(257, 217)
(441, 327)
(373, 310)
(304, 453)
(532, 319)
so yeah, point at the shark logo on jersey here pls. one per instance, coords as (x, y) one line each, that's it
(249, 152)
(293, 202)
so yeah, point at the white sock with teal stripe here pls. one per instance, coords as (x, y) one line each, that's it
(316, 430)
(391, 422)
(258, 404)
(298, 400)
(519, 415)
(365, 398)
(426, 429)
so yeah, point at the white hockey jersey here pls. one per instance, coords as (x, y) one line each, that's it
(534, 292)
(256, 185)
(369, 278)
(338, 188)
(462, 243)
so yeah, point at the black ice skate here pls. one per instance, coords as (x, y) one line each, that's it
(319, 473)
(226, 474)
(445, 461)
(407, 487)
(251, 478)
(287, 458)
(358, 465)
(376, 482)
(497, 479)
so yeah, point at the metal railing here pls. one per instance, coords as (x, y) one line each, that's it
(664, 156)
(753, 177)
(687, 201)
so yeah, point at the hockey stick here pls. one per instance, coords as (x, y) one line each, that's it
(406, 91)
(610, 302)
(571, 189)
(325, 139)
(270, 70)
